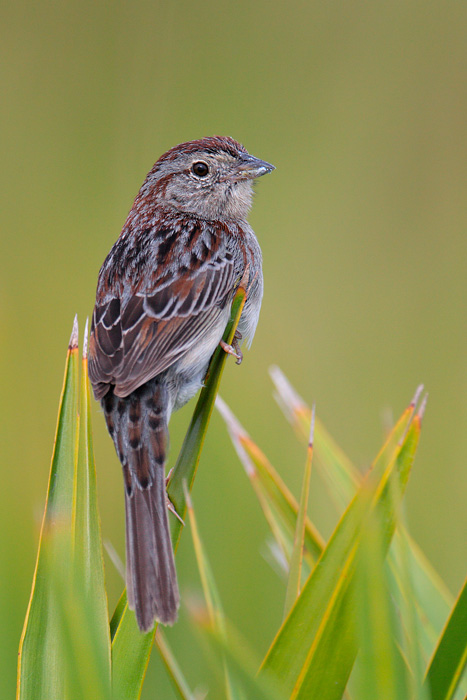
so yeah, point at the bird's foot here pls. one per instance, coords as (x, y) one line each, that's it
(170, 505)
(236, 344)
(233, 349)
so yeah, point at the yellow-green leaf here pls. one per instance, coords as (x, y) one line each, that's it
(295, 570)
(212, 598)
(84, 645)
(173, 667)
(315, 648)
(433, 601)
(40, 664)
(88, 563)
(240, 660)
(450, 657)
(279, 505)
(383, 674)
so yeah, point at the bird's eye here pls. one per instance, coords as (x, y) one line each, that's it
(200, 169)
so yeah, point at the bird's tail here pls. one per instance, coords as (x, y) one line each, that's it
(138, 426)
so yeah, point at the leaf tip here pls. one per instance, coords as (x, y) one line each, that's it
(115, 558)
(231, 422)
(312, 426)
(73, 344)
(85, 340)
(422, 409)
(288, 399)
(238, 435)
(417, 395)
(197, 611)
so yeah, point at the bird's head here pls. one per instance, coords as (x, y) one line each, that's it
(211, 178)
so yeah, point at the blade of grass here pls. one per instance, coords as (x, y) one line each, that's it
(82, 647)
(279, 505)
(88, 563)
(130, 648)
(239, 657)
(212, 598)
(295, 572)
(211, 595)
(450, 656)
(382, 671)
(315, 648)
(278, 523)
(115, 558)
(432, 598)
(189, 456)
(340, 476)
(173, 668)
(336, 469)
(330, 646)
(40, 669)
(404, 597)
(276, 558)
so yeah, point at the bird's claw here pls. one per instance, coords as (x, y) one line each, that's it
(170, 505)
(233, 350)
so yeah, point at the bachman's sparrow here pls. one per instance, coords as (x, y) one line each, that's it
(163, 301)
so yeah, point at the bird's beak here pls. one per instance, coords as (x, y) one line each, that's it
(250, 168)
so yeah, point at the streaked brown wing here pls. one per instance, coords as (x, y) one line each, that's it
(134, 340)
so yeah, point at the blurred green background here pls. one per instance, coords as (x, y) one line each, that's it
(362, 108)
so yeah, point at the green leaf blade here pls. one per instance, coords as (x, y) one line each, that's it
(432, 598)
(318, 621)
(172, 667)
(295, 569)
(239, 658)
(450, 657)
(83, 651)
(88, 562)
(382, 671)
(212, 598)
(40, 667)
(277, 502)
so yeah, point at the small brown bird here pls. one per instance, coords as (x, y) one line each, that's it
(163, 301)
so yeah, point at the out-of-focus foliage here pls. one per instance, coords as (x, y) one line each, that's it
(347, 602)
(361, 108)
(65, 646)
